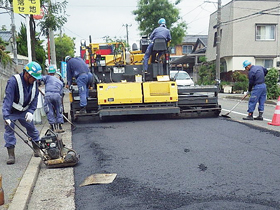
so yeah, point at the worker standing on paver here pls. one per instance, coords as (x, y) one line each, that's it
(20, 102)
(76, 67)
(53, 100)
(257, 89)
(158, 33)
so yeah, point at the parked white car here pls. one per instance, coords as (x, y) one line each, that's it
(182, 78)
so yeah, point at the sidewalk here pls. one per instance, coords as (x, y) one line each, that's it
(240, 96)
(13, 175)
(29, 184)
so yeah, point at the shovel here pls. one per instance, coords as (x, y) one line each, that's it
(226, 115)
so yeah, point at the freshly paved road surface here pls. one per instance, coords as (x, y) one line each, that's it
(187, 163)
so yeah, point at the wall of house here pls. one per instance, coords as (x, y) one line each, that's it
(238, 38)
(244, 42)
(226, 36)
(236, 63)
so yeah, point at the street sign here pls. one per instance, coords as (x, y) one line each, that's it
(31, 7)
(63, 69)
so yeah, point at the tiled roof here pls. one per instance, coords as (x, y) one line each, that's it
(193, 38)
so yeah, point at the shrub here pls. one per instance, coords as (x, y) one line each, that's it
(271, 79)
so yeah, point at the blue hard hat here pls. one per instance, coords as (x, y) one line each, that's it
(34, 69)
(51, 70)
(161, 21)
(246, 63)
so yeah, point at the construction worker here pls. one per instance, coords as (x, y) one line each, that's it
(256, 90)
(53, 100)
(20, 102)
(158, 33)
(77, 68)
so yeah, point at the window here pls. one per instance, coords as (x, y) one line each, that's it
(187, 49)
(267, 63)
(172, 50)
(265, 32)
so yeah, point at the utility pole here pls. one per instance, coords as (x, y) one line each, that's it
(126, 25)
(14, 43)
(52, 43)
(27, 19)
(218, 42)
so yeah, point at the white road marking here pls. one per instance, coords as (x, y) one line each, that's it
(269, 120)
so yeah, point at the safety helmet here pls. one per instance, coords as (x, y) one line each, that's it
(67, 58)
(161, 21)
(246, 63)
(51, 70)
(34, 69)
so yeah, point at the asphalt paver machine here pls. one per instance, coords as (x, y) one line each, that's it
(121, 87)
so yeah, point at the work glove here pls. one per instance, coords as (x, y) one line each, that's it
(29, 117)
(247, 93)
(8, 122)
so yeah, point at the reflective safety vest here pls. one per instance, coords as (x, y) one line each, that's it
(19, 105)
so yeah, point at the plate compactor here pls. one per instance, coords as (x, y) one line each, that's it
(52, 150)
(55, 154)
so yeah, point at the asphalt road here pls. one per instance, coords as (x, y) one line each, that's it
(185, 163)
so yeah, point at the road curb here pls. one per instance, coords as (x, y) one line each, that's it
(26, 185)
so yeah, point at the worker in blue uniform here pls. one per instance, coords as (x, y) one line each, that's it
(20, 102)
(257, 89)
(158, 33)
(53, 100)
(77, 68)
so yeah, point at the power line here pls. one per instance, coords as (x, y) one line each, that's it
(193, 9)
(248, 16)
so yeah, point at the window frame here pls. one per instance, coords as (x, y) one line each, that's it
(260, 37)
(187, 45)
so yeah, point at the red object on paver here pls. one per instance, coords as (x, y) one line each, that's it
(276, 116)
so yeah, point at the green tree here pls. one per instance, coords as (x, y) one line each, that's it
(207, 74)
(4, 57)
(150, 11)
(271, 79)
(22, 46)
(55, 16)
(64, 45)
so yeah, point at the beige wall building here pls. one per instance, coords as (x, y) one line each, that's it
(249, 31)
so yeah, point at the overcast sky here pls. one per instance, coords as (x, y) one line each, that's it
(100, 18)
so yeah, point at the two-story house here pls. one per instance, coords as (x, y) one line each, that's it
(249, 31)
(186, 55)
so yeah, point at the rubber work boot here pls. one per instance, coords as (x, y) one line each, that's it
(11, 153)
(36, 148)
(260, 117)
(60, 129)
(52, 127)
(249, 117)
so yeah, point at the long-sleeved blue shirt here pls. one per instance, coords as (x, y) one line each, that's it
(12, 95)
(52, 84)
(161, 32)
(256, 76)
(75, 67)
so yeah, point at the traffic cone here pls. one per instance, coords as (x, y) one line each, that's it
(276, 116)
